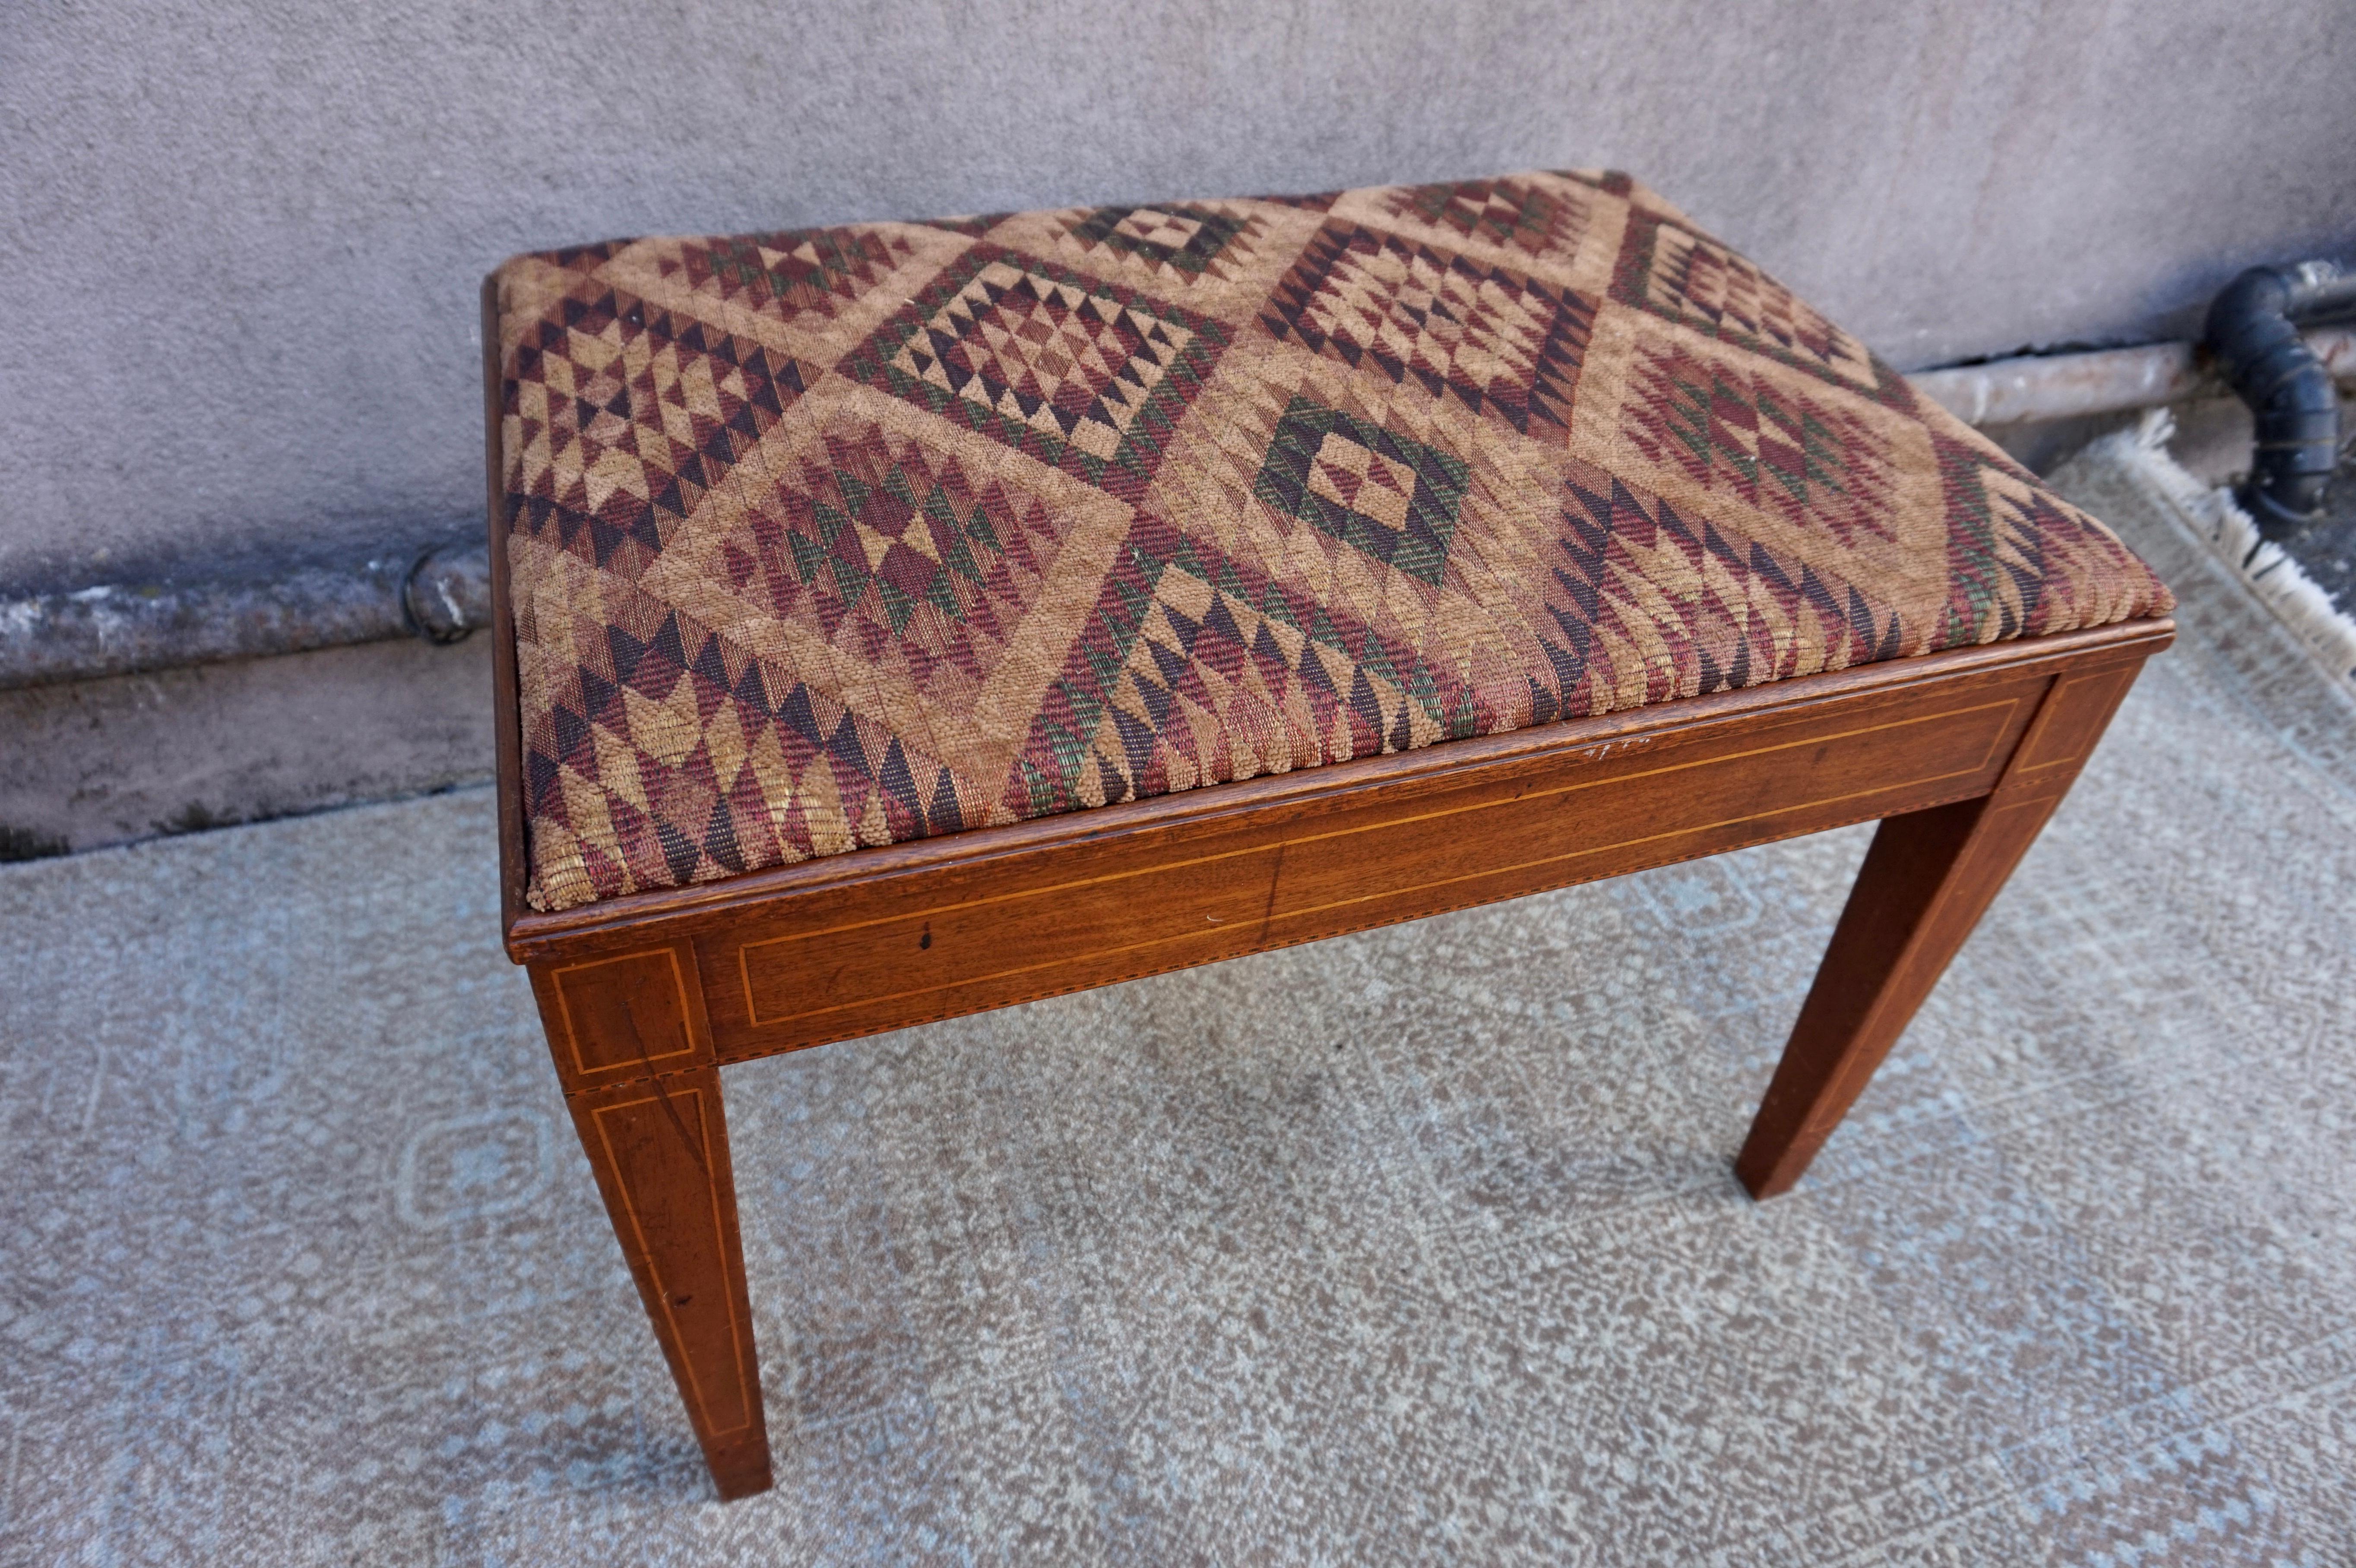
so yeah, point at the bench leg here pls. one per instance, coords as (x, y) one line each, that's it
(1924, 885)
(659, 1148)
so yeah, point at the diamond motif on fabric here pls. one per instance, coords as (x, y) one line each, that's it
(787, 274)
(1504, 212)
(1087, 377)
(925, 564)
(1650, 604)
(668, 753)
(1815, 464)
(2021, 561)
(1392, 497)
(1499, 342)
(628, 415)
(1695, 281)
(973, 225)
(1196, 669)
(1187, 240)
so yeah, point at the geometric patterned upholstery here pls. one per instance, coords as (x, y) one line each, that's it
(835, 538)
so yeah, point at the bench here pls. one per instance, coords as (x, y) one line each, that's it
(903, 620)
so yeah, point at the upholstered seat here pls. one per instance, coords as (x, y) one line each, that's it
(839, 537)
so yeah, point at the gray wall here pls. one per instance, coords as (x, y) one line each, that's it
(240, 244)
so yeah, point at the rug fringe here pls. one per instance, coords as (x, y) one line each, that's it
(2141, 453)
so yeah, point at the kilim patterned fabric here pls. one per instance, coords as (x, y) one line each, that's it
(834, 538)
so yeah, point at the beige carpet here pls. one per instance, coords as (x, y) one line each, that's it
(1419, 1247)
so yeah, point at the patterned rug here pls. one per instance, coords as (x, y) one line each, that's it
(2309, 580)
(1419, 1246)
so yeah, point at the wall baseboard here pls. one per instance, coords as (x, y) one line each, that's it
(96, 763)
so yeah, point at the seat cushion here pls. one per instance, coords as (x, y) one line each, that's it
(835, 538)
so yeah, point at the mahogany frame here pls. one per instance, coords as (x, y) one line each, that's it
(1961, 755)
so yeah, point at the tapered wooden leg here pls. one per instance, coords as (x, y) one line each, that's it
(659, 1148)
(633, 1050)
(1926, 880)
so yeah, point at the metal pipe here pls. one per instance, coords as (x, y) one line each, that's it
(448, 593)
(2254, 334)
(121, 628)
(2034, 387)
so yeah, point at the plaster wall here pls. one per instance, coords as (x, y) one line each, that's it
(241, 242)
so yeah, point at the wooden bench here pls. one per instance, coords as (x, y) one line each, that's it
(1593, 309)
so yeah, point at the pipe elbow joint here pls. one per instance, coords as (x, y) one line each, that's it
(2253, 332)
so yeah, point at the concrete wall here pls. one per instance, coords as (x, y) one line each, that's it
(240, 244)
(106, 762)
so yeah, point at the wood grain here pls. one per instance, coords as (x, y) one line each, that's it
(627, 1017)
(1928, 878)
(660, 1149)
(892, 951)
